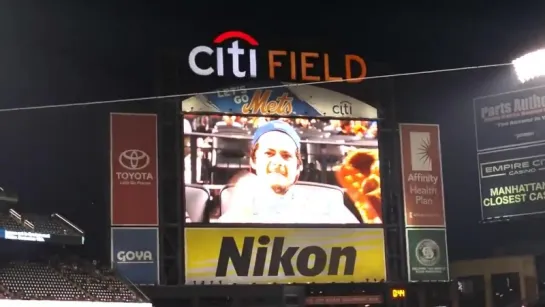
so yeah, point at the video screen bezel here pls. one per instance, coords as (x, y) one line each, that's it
(280, 225)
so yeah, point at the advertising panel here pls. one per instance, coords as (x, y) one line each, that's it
(422, 175)
(135, 254)
(427, 254)
(276, 255)
(279, 99)
(510, 119)
(133, 164)
(512, 182)
(242, 58)
(41, 237)
(266, 170)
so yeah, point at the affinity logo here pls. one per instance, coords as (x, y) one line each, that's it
(235, 51)
(420, 151)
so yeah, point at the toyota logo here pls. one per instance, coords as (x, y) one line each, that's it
(134, 159)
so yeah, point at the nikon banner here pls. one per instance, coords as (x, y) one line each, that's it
(427, 254)
(276, 255)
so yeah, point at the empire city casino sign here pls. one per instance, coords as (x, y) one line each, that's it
(299, 64)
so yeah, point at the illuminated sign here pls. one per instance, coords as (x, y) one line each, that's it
(26, 236)
(265, 255)
(298, 63)
(398, 293)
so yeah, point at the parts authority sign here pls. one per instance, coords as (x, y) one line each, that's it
(510, 119)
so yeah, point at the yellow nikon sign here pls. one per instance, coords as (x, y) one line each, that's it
(277, 255)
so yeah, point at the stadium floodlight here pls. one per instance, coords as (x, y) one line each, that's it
(530, 65)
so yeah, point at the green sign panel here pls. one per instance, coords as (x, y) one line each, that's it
(427, 254)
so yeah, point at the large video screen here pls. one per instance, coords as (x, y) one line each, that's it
(262, 170)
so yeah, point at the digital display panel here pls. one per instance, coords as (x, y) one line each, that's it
(263, 170)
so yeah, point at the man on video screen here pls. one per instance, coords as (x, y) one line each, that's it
(266, 194)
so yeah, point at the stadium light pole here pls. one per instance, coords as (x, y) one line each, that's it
(530, 65)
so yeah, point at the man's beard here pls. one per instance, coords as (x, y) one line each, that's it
(280, 189)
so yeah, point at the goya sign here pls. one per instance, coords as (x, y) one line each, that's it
(135, 254)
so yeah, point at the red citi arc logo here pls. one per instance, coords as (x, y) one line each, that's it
(235, 51)
(302, 66)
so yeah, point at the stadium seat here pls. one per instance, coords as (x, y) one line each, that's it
(230, 152)
(225, 198)
(196, 199)
(325, 156)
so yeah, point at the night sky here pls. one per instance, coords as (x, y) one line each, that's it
(67, 52)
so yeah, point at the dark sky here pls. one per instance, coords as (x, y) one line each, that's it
(59, 52)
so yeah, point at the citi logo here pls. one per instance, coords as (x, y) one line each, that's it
(235, 51)
(343, 108)
(307, 66)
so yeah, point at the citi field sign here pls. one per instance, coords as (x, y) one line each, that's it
(240, 50)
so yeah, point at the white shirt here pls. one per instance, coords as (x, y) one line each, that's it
(254, 202)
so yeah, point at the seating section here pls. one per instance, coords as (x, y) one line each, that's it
(64, 280)
(53, 224)
(26, 280)
(102, 284)
(49, 224)
(10, 223)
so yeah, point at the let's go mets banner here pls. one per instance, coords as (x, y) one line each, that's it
(276, 255)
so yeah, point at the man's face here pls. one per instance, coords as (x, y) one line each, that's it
(229, 120)
(276, 161)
